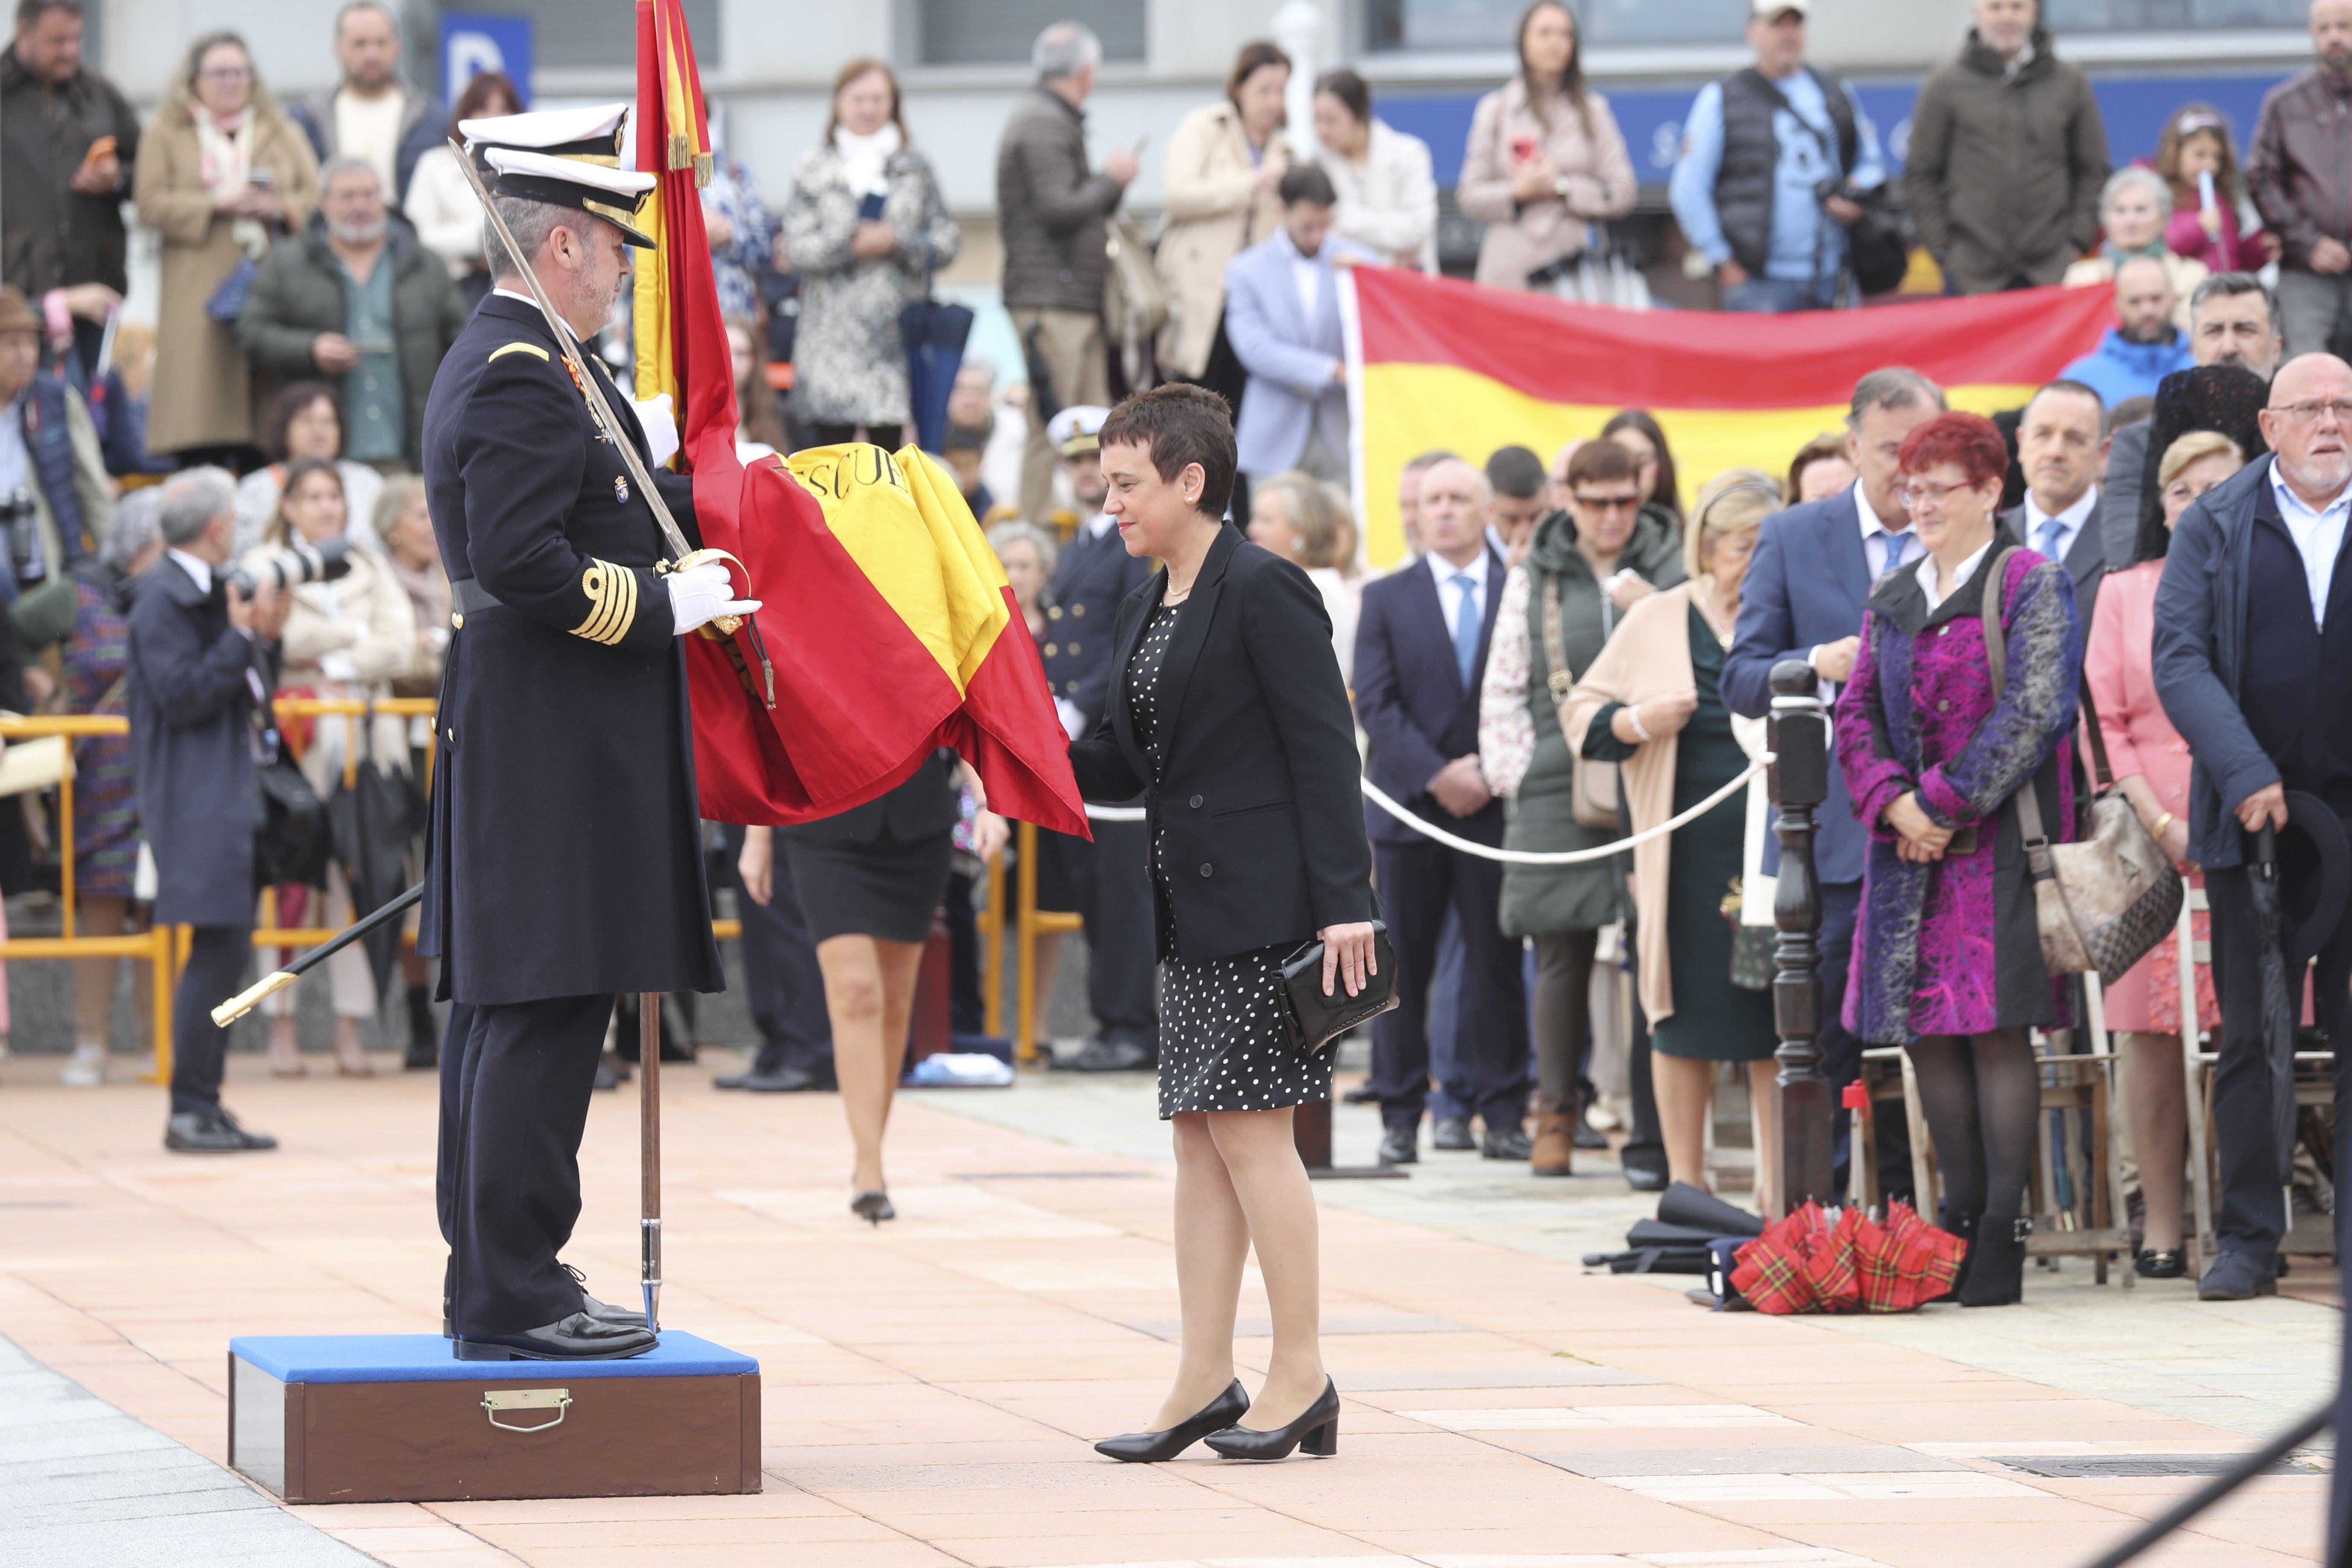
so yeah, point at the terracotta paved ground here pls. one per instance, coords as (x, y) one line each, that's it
(931, 1387)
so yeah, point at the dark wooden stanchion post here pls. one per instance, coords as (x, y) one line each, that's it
(1799, 781)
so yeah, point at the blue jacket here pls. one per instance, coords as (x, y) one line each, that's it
(1093, 578)
(1287, 356)
(2117, 369)
(1805, 586)
(1411, 701)
(2199, 652)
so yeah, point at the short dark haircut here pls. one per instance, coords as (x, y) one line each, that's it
(1518, 473)
(1306, 182)
(294, 401)
(2130, 411)
(1180, 425)
(31, 11)
(1600, 462)
(1349, 90)
(2233, 283)
(2079, 389)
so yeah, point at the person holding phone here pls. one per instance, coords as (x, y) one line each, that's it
(867, 228)
(1545, 161)
(69, 140)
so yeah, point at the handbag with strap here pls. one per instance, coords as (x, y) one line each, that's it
(2102, 902)
(1594, 786)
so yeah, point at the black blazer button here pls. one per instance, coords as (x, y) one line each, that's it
(1207, 870)
(1196, 803)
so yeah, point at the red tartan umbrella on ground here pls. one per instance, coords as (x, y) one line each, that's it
(1809, 1262)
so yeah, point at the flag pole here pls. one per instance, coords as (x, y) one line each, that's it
(649, 1004)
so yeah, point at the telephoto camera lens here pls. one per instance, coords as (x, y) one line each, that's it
(284, 566)
(22, 523)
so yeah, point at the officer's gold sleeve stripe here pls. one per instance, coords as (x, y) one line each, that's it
(519, 349)
(611, 592)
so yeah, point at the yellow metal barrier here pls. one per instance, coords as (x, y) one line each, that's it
(1034, 923)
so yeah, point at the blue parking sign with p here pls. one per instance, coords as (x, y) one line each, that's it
(472, 43)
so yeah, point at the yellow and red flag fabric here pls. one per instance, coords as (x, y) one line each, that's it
(891, 626)
(1438, 364)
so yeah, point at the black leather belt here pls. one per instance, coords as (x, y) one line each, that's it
(469, 598)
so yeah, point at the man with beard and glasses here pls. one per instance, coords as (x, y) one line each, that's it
(2143, 347)
(2233, 318)
(2254, 665)
(360, 305)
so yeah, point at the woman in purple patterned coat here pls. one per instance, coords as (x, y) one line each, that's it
(1946, 961)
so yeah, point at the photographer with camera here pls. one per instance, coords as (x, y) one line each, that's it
(201, 643)
(55, 502)
(1777, 164)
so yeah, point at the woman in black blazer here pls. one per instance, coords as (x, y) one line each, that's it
(1228, 715)
(869, 881)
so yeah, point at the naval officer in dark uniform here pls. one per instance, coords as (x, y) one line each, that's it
(1107, 879)
(565, 862)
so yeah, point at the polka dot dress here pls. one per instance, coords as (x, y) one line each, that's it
(1223, 1043)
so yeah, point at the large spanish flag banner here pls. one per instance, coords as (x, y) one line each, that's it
(888, 627)
(1435, 364)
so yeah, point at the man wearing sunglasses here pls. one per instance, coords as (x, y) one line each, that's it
(2254, 665)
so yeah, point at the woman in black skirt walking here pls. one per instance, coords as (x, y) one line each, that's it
(1229, 716)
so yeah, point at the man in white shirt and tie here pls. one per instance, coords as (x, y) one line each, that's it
(2060, 445)
(1421, 658)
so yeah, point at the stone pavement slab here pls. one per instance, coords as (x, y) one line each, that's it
(932, 1387)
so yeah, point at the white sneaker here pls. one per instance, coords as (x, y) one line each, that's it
(86, 1069)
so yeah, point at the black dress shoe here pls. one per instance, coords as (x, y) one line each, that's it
(2237, 1277)
(604, 1311)
(210, 1131)
(2170, 1263)
(1644, 1176)
(1362, 1094)
(1316, 1430)
(873, 1207)
(1111, 1056)
(1453, 1132)
(1506, 1143)
(1151, 1448)
(579, 1337)
(1588, 1136)
(1400, 1146)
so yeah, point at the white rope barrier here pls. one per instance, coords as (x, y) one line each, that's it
(1379, 798)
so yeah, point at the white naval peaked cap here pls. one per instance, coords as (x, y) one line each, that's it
(546, 130)
(1076, 431)
(566, 157)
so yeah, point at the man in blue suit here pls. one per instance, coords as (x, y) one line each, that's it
(1420, 657)
(1812, 569)
(1109, 879)
(1282, 316)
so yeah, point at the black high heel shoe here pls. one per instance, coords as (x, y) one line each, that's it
(873, 1207)
(1151, 1448)
(1316, 1430)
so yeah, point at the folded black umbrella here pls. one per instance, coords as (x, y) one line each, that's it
(1685, 1205)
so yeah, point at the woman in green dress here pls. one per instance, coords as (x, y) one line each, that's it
(1651, 702)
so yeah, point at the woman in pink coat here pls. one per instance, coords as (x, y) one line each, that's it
(2151, 767)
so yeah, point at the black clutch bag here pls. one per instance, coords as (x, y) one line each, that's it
(1316, 1020)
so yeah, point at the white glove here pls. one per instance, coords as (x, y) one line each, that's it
(661, 428)
(702, 594)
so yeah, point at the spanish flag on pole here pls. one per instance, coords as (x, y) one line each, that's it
(891, 626)
(1435, 364)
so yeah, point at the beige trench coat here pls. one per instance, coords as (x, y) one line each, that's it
(1648, 656)
(1599, 176)
(204, 389)
(368, 617)
(1215, 213)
